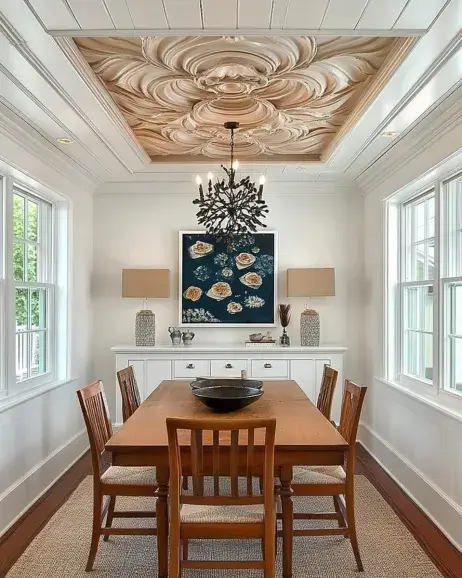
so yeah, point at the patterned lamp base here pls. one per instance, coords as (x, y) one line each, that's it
(145, 328)
(309, 328)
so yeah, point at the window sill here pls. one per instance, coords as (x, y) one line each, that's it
(14, 399)
(431, 402)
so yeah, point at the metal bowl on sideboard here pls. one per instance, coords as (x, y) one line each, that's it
(200, 383)
(225, 398)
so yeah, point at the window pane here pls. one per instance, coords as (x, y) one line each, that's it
(427, 356)
(32, 220)
(456, 309)
(456, 382)
(419, 263)
(32, 263)
(418, 304)
(431, 217)
(419, 222)
(38, 308)
(37, 353)
(411, 353)
(430, 272)
(22, 309)
(18, 216)
(453, 227)
(22, 365)
(18, 261)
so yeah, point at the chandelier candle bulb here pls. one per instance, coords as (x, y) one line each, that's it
(235, 165)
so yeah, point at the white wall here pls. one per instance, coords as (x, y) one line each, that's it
(419, 445)
(42, 436)
(141, 230)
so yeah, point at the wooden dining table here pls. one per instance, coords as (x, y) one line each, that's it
(303, 437)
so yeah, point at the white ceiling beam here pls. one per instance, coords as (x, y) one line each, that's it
(393, 33)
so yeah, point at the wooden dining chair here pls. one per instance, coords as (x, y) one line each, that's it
(116, 480)
(231, 507)
(334, 481)
(129, 392)
(327, 390)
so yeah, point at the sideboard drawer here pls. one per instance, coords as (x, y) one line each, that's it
(270, 368)
(191, 368)
(228, 367)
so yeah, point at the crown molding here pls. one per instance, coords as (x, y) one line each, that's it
(20, 132)
(109, 107)
(235, 32)
(443, 119)
(22, 47)
(189, 189)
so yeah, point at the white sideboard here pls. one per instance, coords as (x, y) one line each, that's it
(303, 364)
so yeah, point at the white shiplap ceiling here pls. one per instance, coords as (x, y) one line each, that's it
(329, 16)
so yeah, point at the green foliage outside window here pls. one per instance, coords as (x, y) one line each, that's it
(25, 260)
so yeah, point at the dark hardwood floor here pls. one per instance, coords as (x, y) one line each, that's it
(443, 554)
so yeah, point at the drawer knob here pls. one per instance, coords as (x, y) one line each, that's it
(229, 366)
(267, 366)
(190, 366)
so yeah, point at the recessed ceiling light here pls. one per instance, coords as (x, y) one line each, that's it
(390, 134)
(65, 140)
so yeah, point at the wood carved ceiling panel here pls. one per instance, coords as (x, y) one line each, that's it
(291, 95)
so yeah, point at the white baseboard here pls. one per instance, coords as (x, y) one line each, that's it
(21, 495)
(438, 506)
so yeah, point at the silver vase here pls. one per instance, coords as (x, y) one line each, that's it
(309, 328)
(145, 328)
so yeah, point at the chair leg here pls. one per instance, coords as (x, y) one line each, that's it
(185, 548)
(110, 515)
(269, 554)
(96, 529)
(350, 512)
(174, 567)
(341, 521)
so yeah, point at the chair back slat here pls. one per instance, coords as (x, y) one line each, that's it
(129, 392)
(234, 463)
(96, 415)
(327, 390)
(250, 461)
(223, 450)
(353, 398)
(216, 463)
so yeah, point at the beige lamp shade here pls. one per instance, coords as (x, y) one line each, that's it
(146, 283)
(311, 282)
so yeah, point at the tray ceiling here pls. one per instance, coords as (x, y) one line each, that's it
(291, 95)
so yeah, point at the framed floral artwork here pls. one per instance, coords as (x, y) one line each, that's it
(228, 287)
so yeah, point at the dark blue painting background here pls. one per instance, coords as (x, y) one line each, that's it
(204, 271)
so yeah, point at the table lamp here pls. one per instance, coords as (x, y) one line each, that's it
(145, 284)
(310, 283)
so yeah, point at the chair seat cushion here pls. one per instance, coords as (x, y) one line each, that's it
(318, 475)
(137, 476)
(196, 514)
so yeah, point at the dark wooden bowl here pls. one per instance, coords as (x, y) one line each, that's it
(237, 382)
(225, 398)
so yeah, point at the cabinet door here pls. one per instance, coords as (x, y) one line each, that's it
(156, 371)
(303, 371)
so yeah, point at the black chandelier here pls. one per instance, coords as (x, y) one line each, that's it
(231, 207)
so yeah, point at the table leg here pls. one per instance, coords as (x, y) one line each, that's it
(287, 520)
(162, 521)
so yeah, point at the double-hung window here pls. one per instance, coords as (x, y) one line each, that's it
(33, 275)
(33, 287)
(424, 288)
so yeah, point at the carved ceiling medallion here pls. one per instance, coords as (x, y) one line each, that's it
(291, 95)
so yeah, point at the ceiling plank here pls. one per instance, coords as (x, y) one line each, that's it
(278, 16)
(381, 14)
(419, 14)
(341, 14)
(147, 14)
(91, 13)
(255, 14)
(120, 13)
(54, 14)
(220, 13)
(183, 13)
(305, 14)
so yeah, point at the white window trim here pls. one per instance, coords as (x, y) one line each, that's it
(432, 394)
(11, 392)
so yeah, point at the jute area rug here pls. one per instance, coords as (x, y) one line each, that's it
(388, 549)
